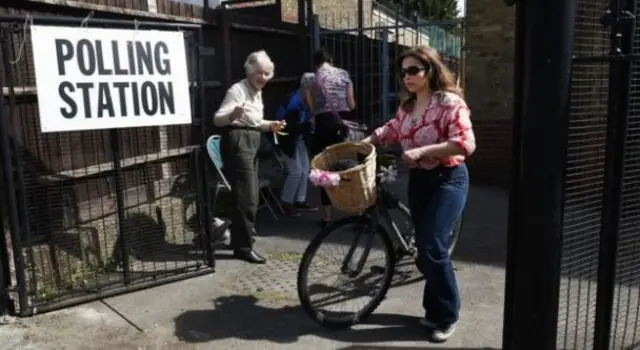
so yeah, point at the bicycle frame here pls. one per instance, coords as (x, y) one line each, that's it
(377, 216)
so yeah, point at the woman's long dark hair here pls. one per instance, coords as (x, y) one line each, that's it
(439, 77)
(322, 56)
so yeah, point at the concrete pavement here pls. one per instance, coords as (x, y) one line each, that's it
(245, 306)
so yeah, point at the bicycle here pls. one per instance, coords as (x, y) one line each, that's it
(376, 221)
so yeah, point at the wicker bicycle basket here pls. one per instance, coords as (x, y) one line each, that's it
(357, 188)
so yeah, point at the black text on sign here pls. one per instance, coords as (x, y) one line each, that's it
(125, 79)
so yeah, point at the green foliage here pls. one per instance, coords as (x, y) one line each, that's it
(433, 10)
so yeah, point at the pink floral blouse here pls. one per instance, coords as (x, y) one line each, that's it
(446, 119)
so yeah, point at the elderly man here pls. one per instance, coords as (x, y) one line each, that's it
(241, 116)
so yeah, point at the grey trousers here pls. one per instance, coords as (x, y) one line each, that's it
(239, 150)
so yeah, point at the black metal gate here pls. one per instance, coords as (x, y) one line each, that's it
(94, 213)
(573, 267)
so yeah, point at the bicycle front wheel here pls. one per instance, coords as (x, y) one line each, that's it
(358, 268)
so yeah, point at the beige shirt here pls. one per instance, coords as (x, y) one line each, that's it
(239, 94)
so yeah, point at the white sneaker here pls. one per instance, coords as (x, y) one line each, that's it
(441, 334)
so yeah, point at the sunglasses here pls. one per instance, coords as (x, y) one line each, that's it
(411, 71)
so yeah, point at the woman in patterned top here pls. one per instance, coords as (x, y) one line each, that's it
(434, 129)
(329, 94)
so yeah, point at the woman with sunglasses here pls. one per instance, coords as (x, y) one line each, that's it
(434, 128)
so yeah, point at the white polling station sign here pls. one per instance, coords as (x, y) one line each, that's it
(94, 78)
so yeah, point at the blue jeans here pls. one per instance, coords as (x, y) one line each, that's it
(436, 200)
(295, 185)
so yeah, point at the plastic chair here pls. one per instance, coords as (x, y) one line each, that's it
(264, 184)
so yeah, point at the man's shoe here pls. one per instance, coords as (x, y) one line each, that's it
(290, 210)
(249, 255)
(303, 206)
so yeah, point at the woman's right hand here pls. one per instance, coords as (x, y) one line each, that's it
(237, 113)
(370, 139)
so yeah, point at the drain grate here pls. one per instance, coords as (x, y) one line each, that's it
(274, 280)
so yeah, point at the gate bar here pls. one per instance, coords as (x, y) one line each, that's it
(536, 233)
(106, 293)
(622, 36)
(514, 174)
(10, 190)
(326, 31)
(5, 264)
(66, 20)
(118, 179)
(207, 204)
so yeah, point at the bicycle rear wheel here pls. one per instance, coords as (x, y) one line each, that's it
(404, 222)
(379, 274)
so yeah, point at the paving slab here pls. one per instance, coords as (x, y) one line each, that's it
(243, 306)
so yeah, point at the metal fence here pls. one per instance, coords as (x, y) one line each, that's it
(93, 213)
(573, 256)
(368, 47)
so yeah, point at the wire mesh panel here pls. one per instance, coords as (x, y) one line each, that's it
(584, 178)
(369, 53)
(625, 326)
(96, 210)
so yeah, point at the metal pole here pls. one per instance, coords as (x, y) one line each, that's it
(206, 204)
(361, 64)
(302, 32)
(5, 264)
(516, 139)
(312, 22)
(316, 33)
(621, 21)
(384, 76)
(10, 189)
(536, 219)
(118, 179)
(225, 31)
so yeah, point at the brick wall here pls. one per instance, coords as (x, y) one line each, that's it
(334, 14)
(489, 87)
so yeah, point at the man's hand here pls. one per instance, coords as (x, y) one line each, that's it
(276, 126)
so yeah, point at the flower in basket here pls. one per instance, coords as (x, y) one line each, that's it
(324, 178)
(388, 174)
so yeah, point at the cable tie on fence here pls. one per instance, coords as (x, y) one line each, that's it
(85, 21)
(136, 24)
(28, 22)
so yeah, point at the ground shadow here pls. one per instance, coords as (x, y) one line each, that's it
(241, 317)
(369, 347)
(146, 240)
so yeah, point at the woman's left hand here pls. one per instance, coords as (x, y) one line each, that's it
(277, 126)
(412, 156)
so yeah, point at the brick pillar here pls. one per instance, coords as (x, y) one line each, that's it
(489, 87)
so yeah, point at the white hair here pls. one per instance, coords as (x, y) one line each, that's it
(257, 60)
